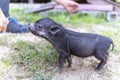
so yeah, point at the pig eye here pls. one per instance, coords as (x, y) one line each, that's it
(39, 28)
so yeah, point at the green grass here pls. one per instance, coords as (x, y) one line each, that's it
(76, 18)
(23, 17)
(33, 57)
(64, 17)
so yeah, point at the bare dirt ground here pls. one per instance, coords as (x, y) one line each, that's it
(84, 69)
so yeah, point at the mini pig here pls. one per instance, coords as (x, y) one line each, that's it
(68, 42)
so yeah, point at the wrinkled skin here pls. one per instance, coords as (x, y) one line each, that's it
(68, 42)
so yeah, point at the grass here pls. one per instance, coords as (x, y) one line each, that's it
(29, 52)
(64, 17)
(33, 57)
(37, 61)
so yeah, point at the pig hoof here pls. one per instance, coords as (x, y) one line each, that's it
(69, 66)
(97, 69)
(60, 70)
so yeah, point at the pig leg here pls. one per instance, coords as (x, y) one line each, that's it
(61, 61)
(103, 59)
(69, 60)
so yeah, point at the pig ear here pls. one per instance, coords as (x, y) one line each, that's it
(54, 29)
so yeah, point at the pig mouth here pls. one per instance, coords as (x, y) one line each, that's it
(33, 31)
(40, 33)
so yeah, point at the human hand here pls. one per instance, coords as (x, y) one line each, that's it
(70, 6)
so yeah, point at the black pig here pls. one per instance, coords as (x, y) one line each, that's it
(68, 42)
